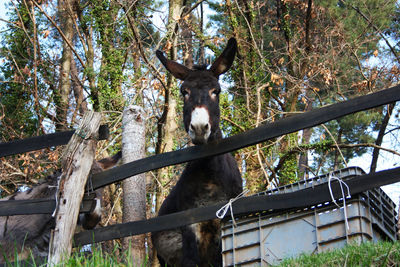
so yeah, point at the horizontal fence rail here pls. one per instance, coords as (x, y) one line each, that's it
(43, 141)
(251, 137)
(39, 206)
(257, 135)
(298, 199)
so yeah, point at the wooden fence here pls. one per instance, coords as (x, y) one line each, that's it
(298, 199)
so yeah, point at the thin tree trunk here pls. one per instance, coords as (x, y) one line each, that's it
(81, 104)
(303, 160)
(379, 139)
(187, 37)
(398, 221)
(167, 145)
(134, 188)
(65, 84)
(94, 94)
(337, 152)
(166, 124)
(36, 54)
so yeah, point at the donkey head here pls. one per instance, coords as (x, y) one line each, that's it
(200, 90)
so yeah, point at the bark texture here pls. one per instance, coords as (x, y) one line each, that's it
(62, 97)
(134, 188)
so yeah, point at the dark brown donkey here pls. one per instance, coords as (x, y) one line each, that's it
(21, 235)
(205, 181)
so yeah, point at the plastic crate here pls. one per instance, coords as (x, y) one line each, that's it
(266, 238)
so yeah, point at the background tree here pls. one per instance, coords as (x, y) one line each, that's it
(61, 58)
(295, 56)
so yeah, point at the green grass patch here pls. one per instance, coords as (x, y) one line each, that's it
(366, 254)
(117, 258)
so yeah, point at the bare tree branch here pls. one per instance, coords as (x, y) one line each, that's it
(194, 6)
(61, 33)
(139, 44)
(336, 143)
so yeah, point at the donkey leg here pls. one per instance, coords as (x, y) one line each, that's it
(162, 262)
(168, 245)
(190, 251)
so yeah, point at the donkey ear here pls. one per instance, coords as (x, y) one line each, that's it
(179, 71)
(225, 60)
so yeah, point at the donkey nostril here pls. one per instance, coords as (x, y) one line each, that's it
(199, 128)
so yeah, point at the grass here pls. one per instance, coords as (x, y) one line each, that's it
(86, 259)
(367, 254)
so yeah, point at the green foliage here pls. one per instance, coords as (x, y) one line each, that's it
(288, 171)
(357, 128)
(113, 38)
(17, 106)
(355, 25)
(287, 174)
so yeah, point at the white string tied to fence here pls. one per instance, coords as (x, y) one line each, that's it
(56, 194)
(222, 211)
(341, 183)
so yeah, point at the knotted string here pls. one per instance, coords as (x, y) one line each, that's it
(81, 133)
(222, 211)
(341, 183)
(89, 185)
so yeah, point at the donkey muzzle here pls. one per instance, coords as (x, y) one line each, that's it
(200, 127)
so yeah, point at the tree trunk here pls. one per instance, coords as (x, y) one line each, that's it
(77, 87)
(169, 130)
(379, 139)
(303, 160)
(167, 124)
(62, 95)
(77, 162)
(134, 188)
(187, 36)
(398, 221)
(337, 152)
(89, 55)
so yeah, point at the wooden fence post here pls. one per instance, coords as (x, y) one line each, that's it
(77, 161)
(134, 188)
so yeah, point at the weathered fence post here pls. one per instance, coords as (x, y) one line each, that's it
(134, 188)
(77, 161)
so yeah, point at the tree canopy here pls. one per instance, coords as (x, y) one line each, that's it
(61, 58)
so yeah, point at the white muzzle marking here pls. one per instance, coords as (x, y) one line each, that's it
(200, 128)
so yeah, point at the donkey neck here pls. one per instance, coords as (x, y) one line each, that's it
(215, 161)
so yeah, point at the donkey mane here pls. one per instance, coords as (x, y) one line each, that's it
(200, 67)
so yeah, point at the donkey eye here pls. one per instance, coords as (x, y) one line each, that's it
(214, 93)
(186, 93)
